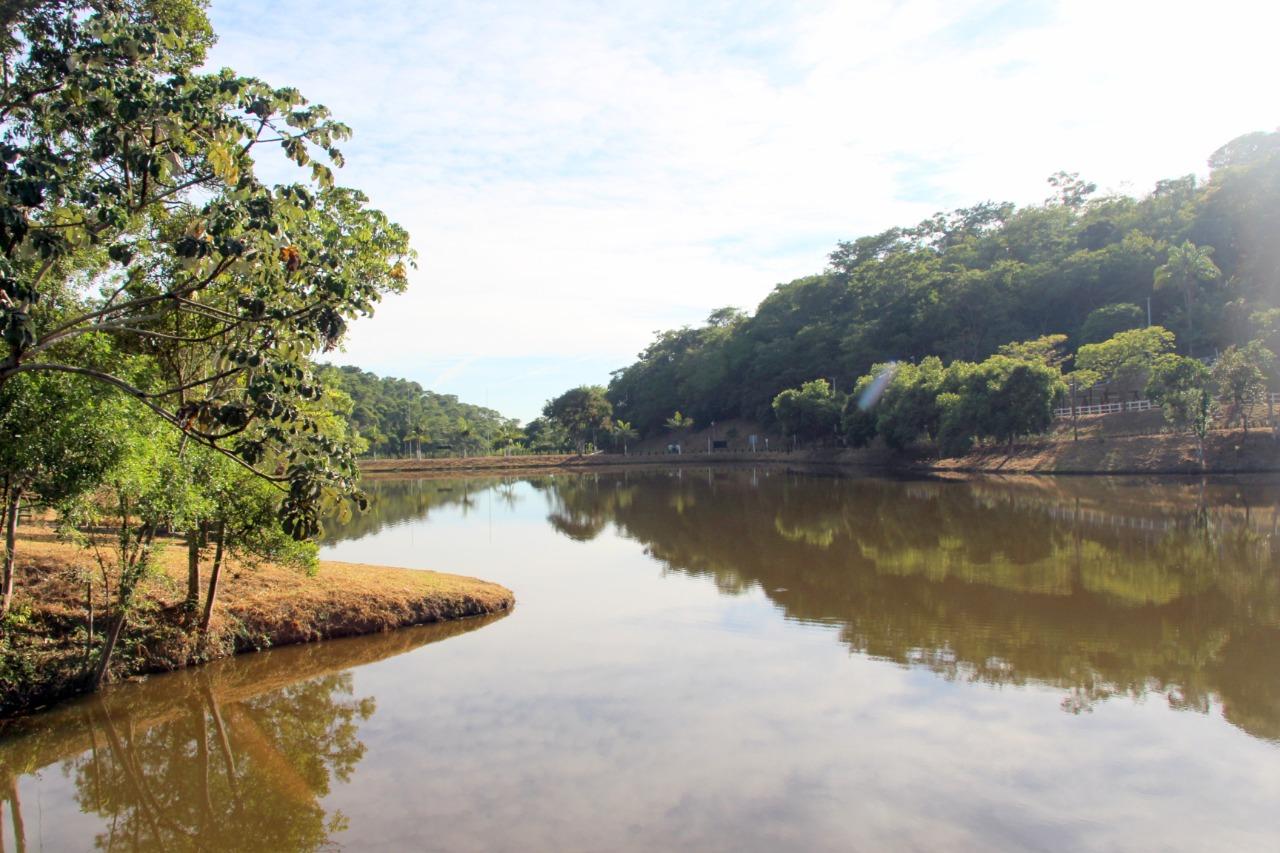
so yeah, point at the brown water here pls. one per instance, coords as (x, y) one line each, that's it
(730, 660)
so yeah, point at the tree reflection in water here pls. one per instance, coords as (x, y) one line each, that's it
(237, 755)
(1096, 587)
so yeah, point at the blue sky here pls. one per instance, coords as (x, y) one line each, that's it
(577, 175)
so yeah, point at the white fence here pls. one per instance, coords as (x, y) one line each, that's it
(1127, 406)
(1107, 408)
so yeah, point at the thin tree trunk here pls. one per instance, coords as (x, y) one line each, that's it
(88, 640)
(192, 603)
(124, 598)
(10, 538)
(108, 649)
(215, 572)
(1190, 325)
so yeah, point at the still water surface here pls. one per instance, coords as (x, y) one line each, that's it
(730, 660)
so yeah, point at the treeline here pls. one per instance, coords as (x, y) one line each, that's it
(1197, 258)
(1014, 393)
(397, 417)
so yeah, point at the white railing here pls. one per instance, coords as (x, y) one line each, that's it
(1095, 409)
(1107, 408)
(1127, 406)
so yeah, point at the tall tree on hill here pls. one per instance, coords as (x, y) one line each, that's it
(1188, 267)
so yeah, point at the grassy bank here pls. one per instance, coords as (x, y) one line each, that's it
(47, 646)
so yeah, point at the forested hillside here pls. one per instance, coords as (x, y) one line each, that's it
(961, 284)
(398, 417)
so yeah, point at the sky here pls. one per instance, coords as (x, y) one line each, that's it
(578, 175)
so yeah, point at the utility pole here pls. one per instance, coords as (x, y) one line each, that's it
(1148, 312)
(1075, 424)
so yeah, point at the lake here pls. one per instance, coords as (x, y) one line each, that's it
(730, 659)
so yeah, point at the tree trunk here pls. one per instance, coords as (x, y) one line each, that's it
(1190, 325)
(108, 649)
(10, 538)
(192, 604)
(124, 597)
(215, 572)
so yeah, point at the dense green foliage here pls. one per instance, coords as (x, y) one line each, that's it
(397, 417)
(130, 214)
(160, 304)
(960, 285)
(811, 411)
(1000, 398)
(583, 413)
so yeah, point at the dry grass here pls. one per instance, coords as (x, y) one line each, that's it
(259, 606)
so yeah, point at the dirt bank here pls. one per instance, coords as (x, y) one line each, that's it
(1226, 452)
(260, 606)
(1096, 452)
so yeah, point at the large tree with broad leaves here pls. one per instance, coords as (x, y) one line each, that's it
(131, 208)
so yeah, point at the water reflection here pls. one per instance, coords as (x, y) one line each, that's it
(1100, 588)
(233, 756)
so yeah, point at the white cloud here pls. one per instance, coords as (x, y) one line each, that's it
(576, 175)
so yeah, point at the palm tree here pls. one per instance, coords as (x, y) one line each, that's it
(624, 432)
(507, 436)
(679, 421)
(1186, 267)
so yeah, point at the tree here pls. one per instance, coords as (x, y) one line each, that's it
(1069, 190)
(508, 436)
(1046, 349)
(1003, 398)
(811, 411)
(147, 491)
(57, 439)
(1187, 267)
(678, 421)
(1183, 389)
(582, 412)
(1102, 323)
(546, 435)
(1240, 376)
(126, 168)
(1126, 356)
(1246, 150)
(907, 410)
(239, 523)
(1267, 325)
(623, 432)
(857, 419)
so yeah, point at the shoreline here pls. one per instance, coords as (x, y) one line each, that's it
(262, 606)
(1225, 452)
